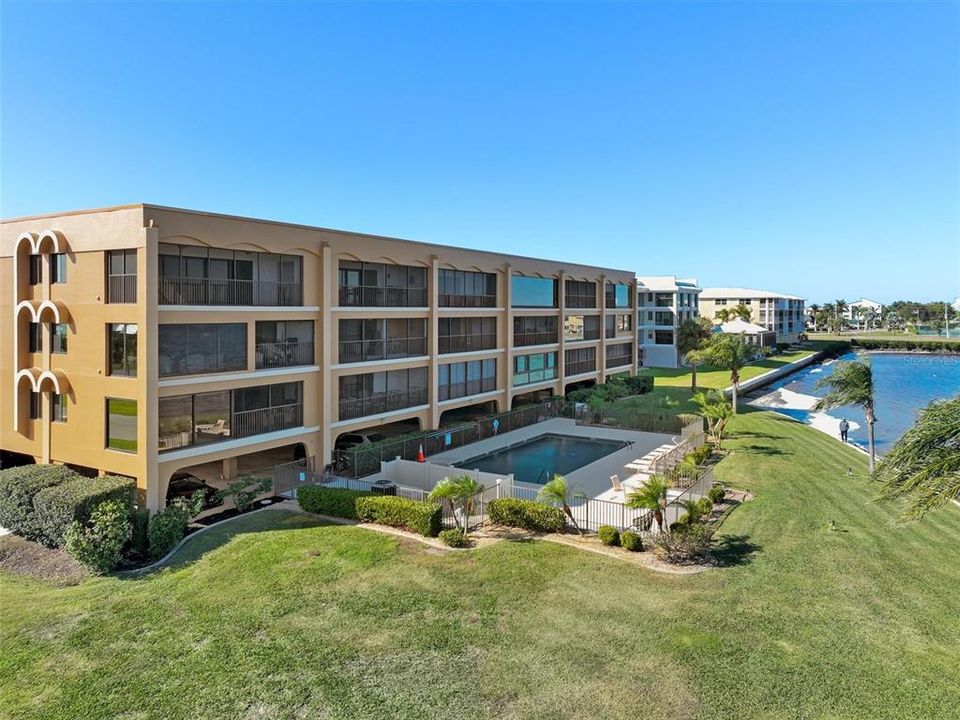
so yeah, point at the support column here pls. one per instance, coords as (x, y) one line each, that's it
(228, 468)
(507, 295)
(433, 342)
(328, 397)
(148, 427)
(602, 350)
(561, 352)
(634, 291)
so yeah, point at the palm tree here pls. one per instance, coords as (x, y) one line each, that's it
(839, 308)
(851, 383)
(692, 335)
(814, 311)
(728, 352)
(740, 311)
(651, 496)
(556, 492)
(715, 407)
(459, 492)
(924, 464)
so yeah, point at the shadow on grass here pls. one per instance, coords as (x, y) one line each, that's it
(733, 550)
(764, 450)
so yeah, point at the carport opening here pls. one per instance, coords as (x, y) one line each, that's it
(467, 414)
(581, 385)
(531, 398)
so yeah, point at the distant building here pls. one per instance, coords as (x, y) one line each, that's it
(779, 312)
(664, 302)
(856, 311)
(754, 334)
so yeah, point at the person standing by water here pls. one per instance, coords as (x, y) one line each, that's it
(844, 429)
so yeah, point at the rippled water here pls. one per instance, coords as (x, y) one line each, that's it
(904, 383)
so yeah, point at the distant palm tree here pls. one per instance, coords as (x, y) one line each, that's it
(715, 407)
(728, 352)
(692, 335)
(839, 308)
(651, 496)
(459, 492)
(924, 464)
(556, 492)
(814, 311)
(740, 311)
(851, 383)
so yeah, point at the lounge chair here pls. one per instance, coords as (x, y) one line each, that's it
(615, 481)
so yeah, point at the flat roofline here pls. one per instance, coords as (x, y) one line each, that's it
(281, 223)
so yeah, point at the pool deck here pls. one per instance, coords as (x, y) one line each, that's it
(592, 480)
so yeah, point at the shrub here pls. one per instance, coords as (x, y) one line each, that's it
(18, 488)
(631, 541)
(454, 538)
(699, 456)
(414, 515)
(99, 545)
(167, 528)
(704, 507)
(526, 514)
(685, 544)
(716, 493)
(58, 506)
(245, 490)
(337, 502)
(608, 535)
(139, 523)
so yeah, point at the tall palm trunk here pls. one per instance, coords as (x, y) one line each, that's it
(569, 513)
(693, 377)
(870, 439)
(735, 383)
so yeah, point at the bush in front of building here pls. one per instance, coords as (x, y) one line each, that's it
(139, 525)
(99, 544)
(526, 514)
(168, 526)
(336, 502)
(716, 493)
(631, 541)
(58, 506)
(18, 488)
(245, 491)
(608, 535)
(415, 515)
(455, 538)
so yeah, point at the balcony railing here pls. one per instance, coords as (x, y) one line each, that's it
(451, 300)
(466, 343)
(284, 354)
(466, 388)
(121, 288)
(209, 291)
(578, 368)
(264, 420)
(619, 360)
(351, 351)
(379, 404)
(535, 338)
(359, 296)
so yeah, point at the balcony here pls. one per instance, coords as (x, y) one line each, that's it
(466, 343)
(359, 296)
(283, 354)
(580, 367)
(351, 351)
(121, 288)
(535, 338)
(207, 291)
(383, 403)
(450, 300)
(265, 420)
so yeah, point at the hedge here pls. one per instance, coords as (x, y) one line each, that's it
(929, 345)
(414, 515)
(18, 488)
(58, 506)
(337, 502)
(526, 514)
(167, 528)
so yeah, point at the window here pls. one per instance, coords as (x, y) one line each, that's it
(58, 338)
(458, 380)
(581, 327)
(610, 326)
(624, 323)
(283, 343)
(379, 285)
(382, 339)
(58, 268)
(617, 295)
(463, 288)
(35, 337)
(122, 276)
(534, 330)
(123, 350)
(663, 317)
(122, 425)
(533, 292)
(618, 355)
(663, 337)
(580, 360)
(534, 368)
(58, 407)
(381, 392)
(36, 269)
(202, 348)
(34, 405)
(466, 334)
(580, 294)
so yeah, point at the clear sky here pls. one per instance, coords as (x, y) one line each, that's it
(809, 148)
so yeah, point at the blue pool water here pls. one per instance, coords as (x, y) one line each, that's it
(537, 460)
(904, 384)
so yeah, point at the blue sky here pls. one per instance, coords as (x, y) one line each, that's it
(808, 148)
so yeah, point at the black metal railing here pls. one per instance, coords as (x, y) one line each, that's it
(284, 354)
(466, 343)
(121, 288)
(382, 403)
(210, 291)
(361, 296)
(580, 367)
(351, 351)
(535, 338)
(467, 301)
(465, 389)
(264, 420)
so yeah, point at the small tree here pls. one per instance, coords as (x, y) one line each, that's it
(693, 335)
(851, 383)
(728, 352)
(717, 410)
(651, 496)
(556, 493)
(99, 544)
(459, 492)
(740, 311)
(245, 490)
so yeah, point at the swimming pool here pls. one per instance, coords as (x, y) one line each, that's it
(539, 459)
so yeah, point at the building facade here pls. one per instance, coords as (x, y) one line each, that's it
(863, 312)
(782, 313)
(664, 303)
(145, 340)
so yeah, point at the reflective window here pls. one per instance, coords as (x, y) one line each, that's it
(123, 349)
(58, 407)
(35, 405)
(533, 291)
(458, 380)
(284, 343)
(621, 354)
(534, 330)
(58, 268)
(380, 392)
(35, 337)
(380, 285)
(122, 276)
(381, 339)
(580, 360)
(466, 334)
(122, 424)
(36, 269)
(193, 349)
(58, 338)
(580, 294)
(617, 295)
(464, 288)
(534, 368)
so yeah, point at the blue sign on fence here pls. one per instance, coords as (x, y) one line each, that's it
(448, 439)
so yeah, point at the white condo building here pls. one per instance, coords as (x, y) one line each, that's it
(664, 302)
(782, 313)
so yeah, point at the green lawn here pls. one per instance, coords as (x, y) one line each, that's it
(884, 335)
(708, 377)
(282, 617)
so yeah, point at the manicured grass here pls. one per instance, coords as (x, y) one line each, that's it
(279, 616)
(853, 334)
(708, 377)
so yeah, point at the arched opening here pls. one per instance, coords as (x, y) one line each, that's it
(468, 414)
(358, 452)
(531, 398)
(581, 385)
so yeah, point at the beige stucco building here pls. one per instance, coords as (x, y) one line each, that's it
(143, 340)
(782, 313)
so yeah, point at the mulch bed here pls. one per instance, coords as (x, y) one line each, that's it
(30, 559)
(208, 520)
